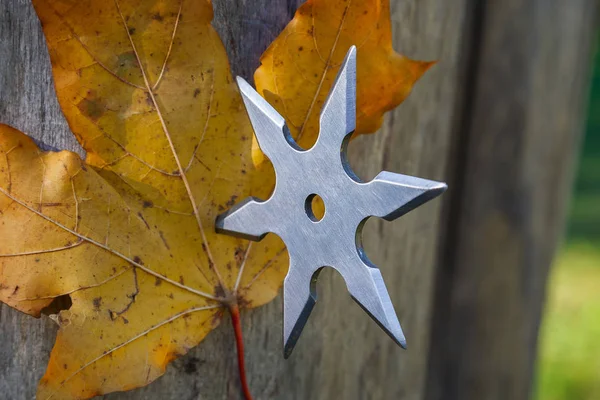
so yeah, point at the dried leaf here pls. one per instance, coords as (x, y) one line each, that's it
(299, 67)
(128, 234)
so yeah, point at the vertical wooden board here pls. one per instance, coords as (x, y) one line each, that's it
(27, 98)
(513, 181)
(247, 27)
(342, 353)
(27, 102)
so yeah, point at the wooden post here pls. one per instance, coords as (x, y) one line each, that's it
(512, 179)
(342, 353)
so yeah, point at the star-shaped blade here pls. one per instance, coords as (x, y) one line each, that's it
(335, 240)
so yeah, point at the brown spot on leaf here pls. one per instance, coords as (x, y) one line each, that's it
(91, 106)
(196, 92)
(216, 318)
(126, 62)
(97, 302)
(231, 201)
(243, 302)
(219, 291)
(239, 254)
(160, 233)
(149, 100)
(148, 204)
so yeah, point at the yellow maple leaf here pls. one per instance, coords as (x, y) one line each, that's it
(299, 67)
(128, 234)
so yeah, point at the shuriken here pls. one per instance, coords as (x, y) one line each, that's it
(335, 240)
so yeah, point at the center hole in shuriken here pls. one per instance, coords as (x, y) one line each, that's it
(314, 207)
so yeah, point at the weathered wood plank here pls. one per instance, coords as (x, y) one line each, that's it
(513, 180)
(28, 102)
(342, 353)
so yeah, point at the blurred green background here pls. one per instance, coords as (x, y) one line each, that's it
(569, 355)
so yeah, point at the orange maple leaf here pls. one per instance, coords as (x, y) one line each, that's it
(299, 67)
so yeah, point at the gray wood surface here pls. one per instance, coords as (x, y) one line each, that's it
(513, 177)
(342, 353)
(27, 102)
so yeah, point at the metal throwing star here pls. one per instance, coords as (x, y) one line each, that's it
(335, 240)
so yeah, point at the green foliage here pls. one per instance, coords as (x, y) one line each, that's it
(569, 363)
(569, 352)
(584, 222)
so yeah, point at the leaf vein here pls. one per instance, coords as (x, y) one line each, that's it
(53, 250)
(151, 329)
(172, 145)
(112, 251)
(87, 49)
(164, 66)
(325, 70)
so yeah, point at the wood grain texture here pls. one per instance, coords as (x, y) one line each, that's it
(247, 27)
(512, 184)
(27, 102)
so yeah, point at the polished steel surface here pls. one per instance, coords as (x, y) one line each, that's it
(335, 240)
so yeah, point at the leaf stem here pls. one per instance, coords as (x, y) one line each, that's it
(234, 310)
